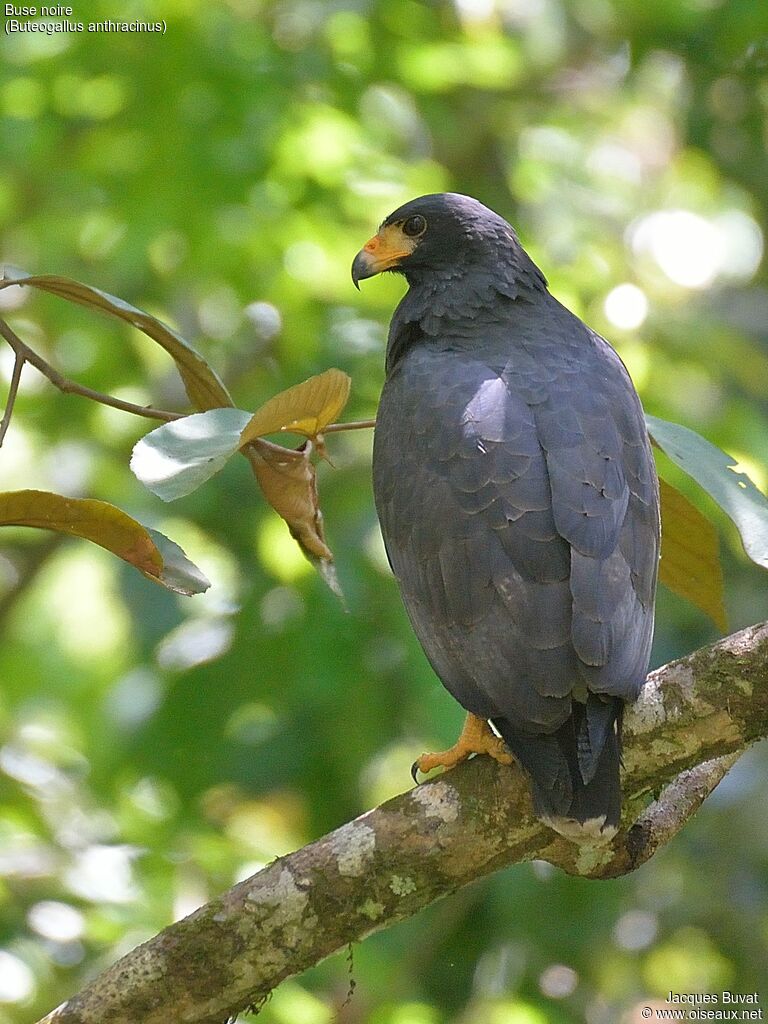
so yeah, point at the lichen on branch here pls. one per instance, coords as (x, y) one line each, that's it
(694, 719)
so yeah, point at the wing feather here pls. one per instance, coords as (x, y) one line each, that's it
(519, 510)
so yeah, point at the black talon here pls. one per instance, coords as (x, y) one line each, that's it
(415, 773)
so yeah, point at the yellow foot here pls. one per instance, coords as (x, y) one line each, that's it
(476, 737)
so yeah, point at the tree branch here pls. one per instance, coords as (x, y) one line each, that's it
(71, 387)
(694, 719)
(24, 354)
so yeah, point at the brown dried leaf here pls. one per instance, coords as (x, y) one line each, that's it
(690, 560)
(287, 478)
(306, 408)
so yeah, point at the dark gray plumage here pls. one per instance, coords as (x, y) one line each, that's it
(518, 500)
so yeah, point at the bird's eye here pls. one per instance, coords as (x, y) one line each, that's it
(415, 226)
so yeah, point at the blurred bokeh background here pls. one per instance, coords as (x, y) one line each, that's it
(155, 749)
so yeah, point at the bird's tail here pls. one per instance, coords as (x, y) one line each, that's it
(575, 770)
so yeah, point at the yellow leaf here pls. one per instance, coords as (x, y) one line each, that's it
(306, 408)
(690, 561)
(110, 528)
(96, 521)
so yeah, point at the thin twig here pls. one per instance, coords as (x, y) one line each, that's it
(71, 387)
(335, 428)
(13, 390)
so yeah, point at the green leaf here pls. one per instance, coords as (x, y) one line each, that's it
(690, 560)
(203, 385)
(178, 457)
(713, 470)
(175, 459)
(158, 558)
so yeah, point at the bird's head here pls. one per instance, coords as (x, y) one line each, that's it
(442, 234)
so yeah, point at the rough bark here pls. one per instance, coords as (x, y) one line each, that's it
(694, 719)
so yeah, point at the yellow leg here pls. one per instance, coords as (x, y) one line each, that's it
(476, 737)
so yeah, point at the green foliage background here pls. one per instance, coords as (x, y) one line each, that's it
(154, 749)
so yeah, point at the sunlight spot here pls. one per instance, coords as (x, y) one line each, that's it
(13, 297)
(683, 244)
(305, 261)
(488, 408)
(635, 930)
(749, 466)
(104, 874)
(219, 312)
(167, 250)
(133, 698)
(613, 160)
(413, 1013)
(375, 552)
(515, 1012)
(100, 233)
(95, 626)
(265, 319)
(292, 1004)
(56, 921)
(27, 768)
(251, 724)
(558, 981)
(280, 607)
(693, 251)
(626, 306)
(475, 10)
(17, 982)
(195, 642)
(742, 244)
(387, 773)
(278, 551)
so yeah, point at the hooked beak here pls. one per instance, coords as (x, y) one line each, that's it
(362, 267)
(382, 252)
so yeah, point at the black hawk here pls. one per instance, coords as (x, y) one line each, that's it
(518, 500)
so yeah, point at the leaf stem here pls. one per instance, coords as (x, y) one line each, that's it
(68, 387)
(335, 428)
